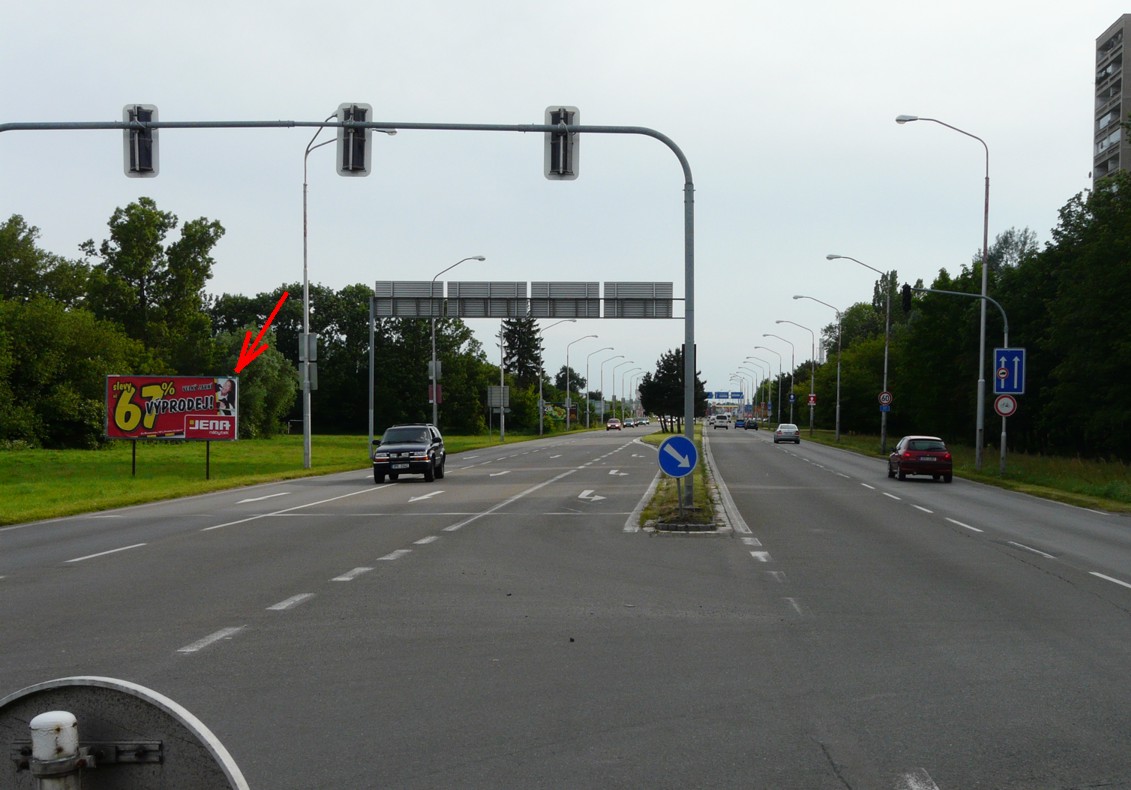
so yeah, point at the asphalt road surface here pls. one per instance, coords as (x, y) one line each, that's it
(508, 626)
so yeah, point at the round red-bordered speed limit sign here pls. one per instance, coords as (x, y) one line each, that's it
(885, 398)
(1005, 405)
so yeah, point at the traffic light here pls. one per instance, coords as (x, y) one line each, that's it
(906, 298)
(561, 157)
(139, 143)
(355, 145)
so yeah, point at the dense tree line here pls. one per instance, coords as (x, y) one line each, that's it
(136, 303)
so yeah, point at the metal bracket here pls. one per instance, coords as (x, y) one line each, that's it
(90, 756)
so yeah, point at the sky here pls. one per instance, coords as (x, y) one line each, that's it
(784, 111)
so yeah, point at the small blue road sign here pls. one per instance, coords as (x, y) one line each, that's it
(1009, 371)
(678, 456)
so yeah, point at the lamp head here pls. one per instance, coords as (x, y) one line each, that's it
(901, 119)
(831, 257)
(478, 258)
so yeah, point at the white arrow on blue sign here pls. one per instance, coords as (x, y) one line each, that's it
(1009, 371)
(678, 456)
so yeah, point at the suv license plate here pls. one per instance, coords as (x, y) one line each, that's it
(400, 466)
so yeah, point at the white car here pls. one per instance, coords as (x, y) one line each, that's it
(787, 432)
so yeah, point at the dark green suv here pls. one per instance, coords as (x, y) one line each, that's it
(413, 449)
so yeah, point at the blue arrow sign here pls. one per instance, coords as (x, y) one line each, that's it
(678, 456)
(1009, 371)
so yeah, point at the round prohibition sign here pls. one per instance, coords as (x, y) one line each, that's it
(885, 398)
(1005, 405)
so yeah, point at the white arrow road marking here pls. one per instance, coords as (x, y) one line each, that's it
(588, 494)
(261, 498)
(618, 473)
(684, 461)
(499, 474)
(429, 495)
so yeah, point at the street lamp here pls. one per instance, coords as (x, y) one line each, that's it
(618, 365)
(755, 385)
(792, 368)
(624, 387)
(433, 374)
(771, 369)
(812, 369)
(601, 366)
(839, 315)
(586, 337)
(588, 385)
(306, 344)
(980, 420)
(887, 341)
(542, 373)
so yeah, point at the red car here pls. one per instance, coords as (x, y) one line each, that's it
(921, 455)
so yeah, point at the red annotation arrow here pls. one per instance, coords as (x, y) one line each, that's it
(251, 350)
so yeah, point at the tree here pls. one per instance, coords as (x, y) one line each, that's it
(662, 392)
(156, 292)
(53, 366)
(27, 272)
(268, 386)
(524, 350)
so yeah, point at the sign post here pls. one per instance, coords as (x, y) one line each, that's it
(678, 458)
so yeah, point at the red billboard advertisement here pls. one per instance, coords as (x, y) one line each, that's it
(203, 408)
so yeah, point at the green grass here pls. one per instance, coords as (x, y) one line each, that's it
(1104, 485)
(42, 484)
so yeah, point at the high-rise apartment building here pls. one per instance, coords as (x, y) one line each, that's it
(1112, 149)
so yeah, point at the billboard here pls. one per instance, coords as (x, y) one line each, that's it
(200, 408)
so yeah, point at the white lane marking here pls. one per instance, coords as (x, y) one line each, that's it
(104, 553)
(868, 486)
(779, 576)
(500, 474)
(261, 498)
(893, 496)
(429, 495)
(761, 556)
(559, 455)
(504, 503)
(920, 507)
(965, 526)
(351, 575)
(294, 600)
(290, 509)
(427, 540)
(1030, 548)
(752, 541)
(1110, 579)
(589, 496)
(918, 779)
(396, 555)
(224, 633)
(796, 606)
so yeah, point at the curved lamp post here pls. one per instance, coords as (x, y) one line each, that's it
(755, 385)
(614, 373)
(792, 367)
(586, 337)
(887, 340)
(624, 388)
(839, 315)
(432, 372)
(601, 367)
(980, 420)
(812, 368)
(542, 373)
(772, 351)
(588, 385)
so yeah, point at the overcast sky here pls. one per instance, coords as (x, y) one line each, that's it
(785, 112)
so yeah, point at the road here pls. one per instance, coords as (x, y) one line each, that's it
(508, 627)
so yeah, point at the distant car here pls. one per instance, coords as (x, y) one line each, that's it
(921, 455)
(787, 432)
(720, 421)
(740, 423)
(413, 448)
(629, 422)
(750, 425)
(613, 425)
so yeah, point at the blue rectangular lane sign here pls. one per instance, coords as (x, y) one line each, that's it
(1009, 371)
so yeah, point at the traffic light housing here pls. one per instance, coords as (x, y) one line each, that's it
(355, 145)
(906, 298)
(139, 157)
(561, 150)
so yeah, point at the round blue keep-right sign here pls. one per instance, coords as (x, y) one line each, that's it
(678, 456)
